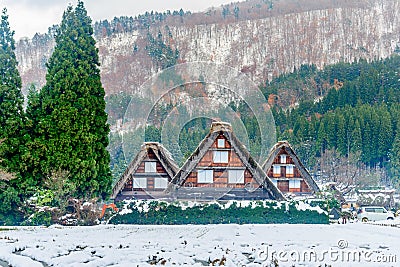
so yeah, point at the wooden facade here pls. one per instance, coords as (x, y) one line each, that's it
(221, 167)
(148, 174)
(287, 172)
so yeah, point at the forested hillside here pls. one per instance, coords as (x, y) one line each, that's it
(349, 134)
(356, 122)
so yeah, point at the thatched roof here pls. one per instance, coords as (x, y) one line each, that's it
(287, 147)
(162, 155)
(218, 128)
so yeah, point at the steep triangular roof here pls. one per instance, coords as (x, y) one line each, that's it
(288, 148)
(225, 129)
(162, 155)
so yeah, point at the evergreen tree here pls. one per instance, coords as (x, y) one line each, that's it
(395, 161)
(356, 141)
(72, 130)
(11, 126)
(11, 99)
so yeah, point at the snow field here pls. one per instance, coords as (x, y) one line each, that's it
(200, 245)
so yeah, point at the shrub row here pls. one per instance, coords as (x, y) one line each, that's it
(158, 213)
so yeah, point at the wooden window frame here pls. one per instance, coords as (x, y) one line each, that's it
(283, 159)
(139, 184)
(217, 156)
(208, 176)
(274, 168)
(291, 172)
(157, 182)
(234, 173)
(221, 143)
(148, 167)
(294, 184)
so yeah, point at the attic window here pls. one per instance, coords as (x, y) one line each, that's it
(289, 170)
(283, 158)
(150, 167)
(139, 182)
(221, 143)
(236, 176)
(161, 183)
(205, 176)
(294, 183)
(220, 156)
(277, 170)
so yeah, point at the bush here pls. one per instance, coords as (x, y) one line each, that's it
(39, 218)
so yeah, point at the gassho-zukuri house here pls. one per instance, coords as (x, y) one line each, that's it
(287, 172)
(148, 175)
(221, 168)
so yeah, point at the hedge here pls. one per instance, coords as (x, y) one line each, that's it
(257, 212)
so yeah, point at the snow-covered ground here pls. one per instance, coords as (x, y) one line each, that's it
(353, 244)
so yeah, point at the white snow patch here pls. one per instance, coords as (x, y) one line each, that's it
(197, 245)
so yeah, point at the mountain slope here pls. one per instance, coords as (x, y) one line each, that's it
(270, 43)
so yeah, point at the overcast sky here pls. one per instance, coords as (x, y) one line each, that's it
(27, 17)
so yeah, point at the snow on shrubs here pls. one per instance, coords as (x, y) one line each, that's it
(240, 212)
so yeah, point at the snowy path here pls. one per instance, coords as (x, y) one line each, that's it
(233, 245)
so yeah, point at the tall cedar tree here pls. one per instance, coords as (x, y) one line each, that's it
(11, 99)
(73, 127)
(11, 124)
(395, 161)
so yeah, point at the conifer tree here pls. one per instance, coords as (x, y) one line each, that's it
(72, 131)
(11, 99)
(11, 125)
(356, 138)
(395, 161)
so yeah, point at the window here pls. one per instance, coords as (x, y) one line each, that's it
(275, 182)
(139, 183)
(220, 156)
(277, 170)
(379, 210)
(150, 167)
(289, 170)
(294, 183)
(283, 159)
(221, 143)
(160, 182)
(236, 176)
(205, 176)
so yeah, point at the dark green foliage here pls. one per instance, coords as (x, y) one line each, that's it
(11, 100)
(357, 115)
(40, 218)
(9, 203)
(118, 163)
(395, 161)
(268, 212)
(70, 132)
(12, 132)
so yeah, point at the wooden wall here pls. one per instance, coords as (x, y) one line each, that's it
(283, 184)
(220, 179)
(140, 172)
